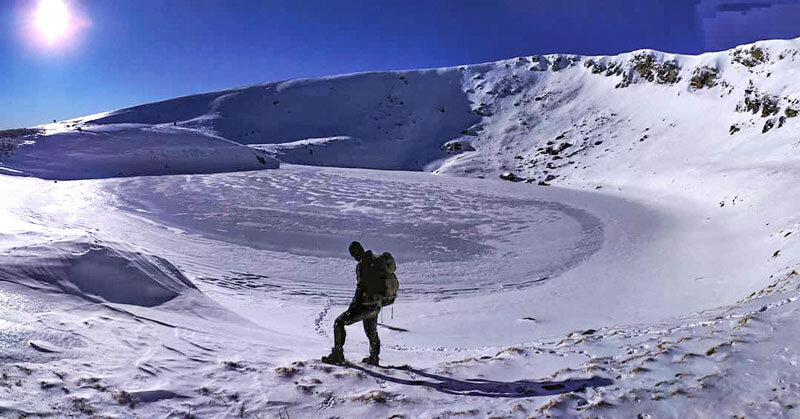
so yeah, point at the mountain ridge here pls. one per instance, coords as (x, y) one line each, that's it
(388, 113)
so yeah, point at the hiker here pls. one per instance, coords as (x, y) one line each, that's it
(376, 287)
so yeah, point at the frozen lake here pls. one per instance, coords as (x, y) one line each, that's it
(448, 235)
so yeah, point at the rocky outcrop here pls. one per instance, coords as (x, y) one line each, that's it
(651, 70)
(750, 57)
(12, 138)
(755, 101)
(704, 77)
(456, 147)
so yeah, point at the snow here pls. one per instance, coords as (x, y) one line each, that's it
(96, 271)
(391, 120)
(129, 150)
(656, 277)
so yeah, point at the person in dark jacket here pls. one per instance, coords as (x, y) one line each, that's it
(363, 308)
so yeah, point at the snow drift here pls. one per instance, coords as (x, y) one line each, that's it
(96, 271)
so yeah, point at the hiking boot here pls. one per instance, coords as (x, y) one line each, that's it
(371, 360)
(336, 357)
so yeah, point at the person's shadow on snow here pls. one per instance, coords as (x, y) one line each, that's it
(488, 388)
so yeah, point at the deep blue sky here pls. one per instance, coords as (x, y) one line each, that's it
(138, 51)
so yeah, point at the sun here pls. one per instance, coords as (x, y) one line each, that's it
(52, 19)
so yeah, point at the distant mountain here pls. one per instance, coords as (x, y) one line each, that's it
(547, 119)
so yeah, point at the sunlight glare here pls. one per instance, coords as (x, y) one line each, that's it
(52, 18)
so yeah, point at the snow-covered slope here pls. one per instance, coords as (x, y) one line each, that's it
(544, 117)
(391, 120)
(656, 275)
(122, 150)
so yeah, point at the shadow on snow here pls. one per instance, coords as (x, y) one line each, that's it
(487, 388)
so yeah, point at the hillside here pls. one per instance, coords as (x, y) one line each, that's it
(545, 118)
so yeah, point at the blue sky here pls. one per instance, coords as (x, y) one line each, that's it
(138, 51)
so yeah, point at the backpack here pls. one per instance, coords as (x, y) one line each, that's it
(378, 282)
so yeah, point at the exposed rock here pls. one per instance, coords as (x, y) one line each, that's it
(12, 138)
(703, 77)
(455, 147)
(553, 151)
(472, 130)
(791, 113)
(769, 106)
(734, 129)
(558, 63)
(539, 63)
(572, 60)
(789, 53)
(20, 132)
(643, 64)
(509, 176)
(667, 73)
(750, 57)
(507, 86)
(768, 125)
(663, 73)
(650, 70)
(755, 101)
(7, 147)
(484, 110)
(614, 69)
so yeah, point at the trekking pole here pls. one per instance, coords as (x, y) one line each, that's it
(392, 312)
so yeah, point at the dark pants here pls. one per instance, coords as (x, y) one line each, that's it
(355, 314)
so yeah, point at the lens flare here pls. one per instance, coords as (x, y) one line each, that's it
(52, 19)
